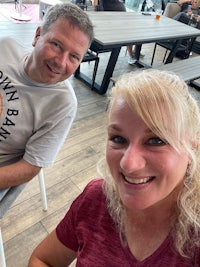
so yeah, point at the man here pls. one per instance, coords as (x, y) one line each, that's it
(189, 9)
(38, 104)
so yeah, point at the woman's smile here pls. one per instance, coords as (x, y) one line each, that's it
(138, 181)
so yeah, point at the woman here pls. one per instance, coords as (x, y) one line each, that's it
(146, 212)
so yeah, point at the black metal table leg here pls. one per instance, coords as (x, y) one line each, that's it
(101, 88)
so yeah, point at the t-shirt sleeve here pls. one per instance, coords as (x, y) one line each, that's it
(44, 145)
(68, 230)
(56, 121)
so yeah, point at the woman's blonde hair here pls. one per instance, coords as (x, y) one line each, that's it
(163, 102)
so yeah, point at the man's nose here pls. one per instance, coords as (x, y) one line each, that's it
(62, 60)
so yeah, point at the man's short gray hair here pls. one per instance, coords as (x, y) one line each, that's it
(73, 14)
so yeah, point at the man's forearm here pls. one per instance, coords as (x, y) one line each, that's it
(181, 2)
(17, 173)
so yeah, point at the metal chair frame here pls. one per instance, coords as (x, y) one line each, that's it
(89, 56)
(168, 45)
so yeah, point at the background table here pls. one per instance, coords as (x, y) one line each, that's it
(116, 29)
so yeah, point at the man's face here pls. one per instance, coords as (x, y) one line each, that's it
(57, 53)
(195, 4)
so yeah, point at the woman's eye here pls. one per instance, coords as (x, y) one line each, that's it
(156, 141)
(118, 139)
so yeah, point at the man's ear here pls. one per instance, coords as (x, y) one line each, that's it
(37, 36)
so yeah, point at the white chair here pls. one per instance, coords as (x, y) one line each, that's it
(8, 199)
(171, 10)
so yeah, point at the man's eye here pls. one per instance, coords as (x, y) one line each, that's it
(156, 141)
(55, 45)
(75, 58)
(118, 140)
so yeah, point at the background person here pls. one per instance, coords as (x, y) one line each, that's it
(189, 10)
(117, 5)
(146, 211)
(38, 102)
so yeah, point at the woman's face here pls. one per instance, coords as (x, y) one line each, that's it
(146, 170)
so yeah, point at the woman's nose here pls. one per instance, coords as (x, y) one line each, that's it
(133, 159)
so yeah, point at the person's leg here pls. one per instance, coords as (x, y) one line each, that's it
(131, 59)
(130, 50)
(131, 54)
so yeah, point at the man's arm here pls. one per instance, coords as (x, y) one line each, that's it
(51, 253)
(17, 173)
(181, 2)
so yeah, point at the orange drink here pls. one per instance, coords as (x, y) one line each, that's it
(157, 16)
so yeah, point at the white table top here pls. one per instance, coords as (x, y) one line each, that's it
(123, 28)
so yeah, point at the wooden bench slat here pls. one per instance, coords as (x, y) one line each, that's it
(188, 69)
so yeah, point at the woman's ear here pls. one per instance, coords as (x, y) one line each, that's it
(37, 36)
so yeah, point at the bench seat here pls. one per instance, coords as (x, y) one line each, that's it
(188, 69)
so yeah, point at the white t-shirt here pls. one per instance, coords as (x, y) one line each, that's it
(35, 118)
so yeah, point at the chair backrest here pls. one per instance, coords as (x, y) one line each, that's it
(171, 10)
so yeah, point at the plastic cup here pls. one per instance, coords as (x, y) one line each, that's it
(157, 16)
(158, 13)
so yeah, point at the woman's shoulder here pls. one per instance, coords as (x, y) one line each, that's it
(94, 187)
(95, 182)
(92, 191)
(91, 200)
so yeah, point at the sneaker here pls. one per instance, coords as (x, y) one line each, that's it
(131, 61)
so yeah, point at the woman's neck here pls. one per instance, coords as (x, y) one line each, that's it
(146, 230)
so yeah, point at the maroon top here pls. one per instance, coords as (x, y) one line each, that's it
(88, 229)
